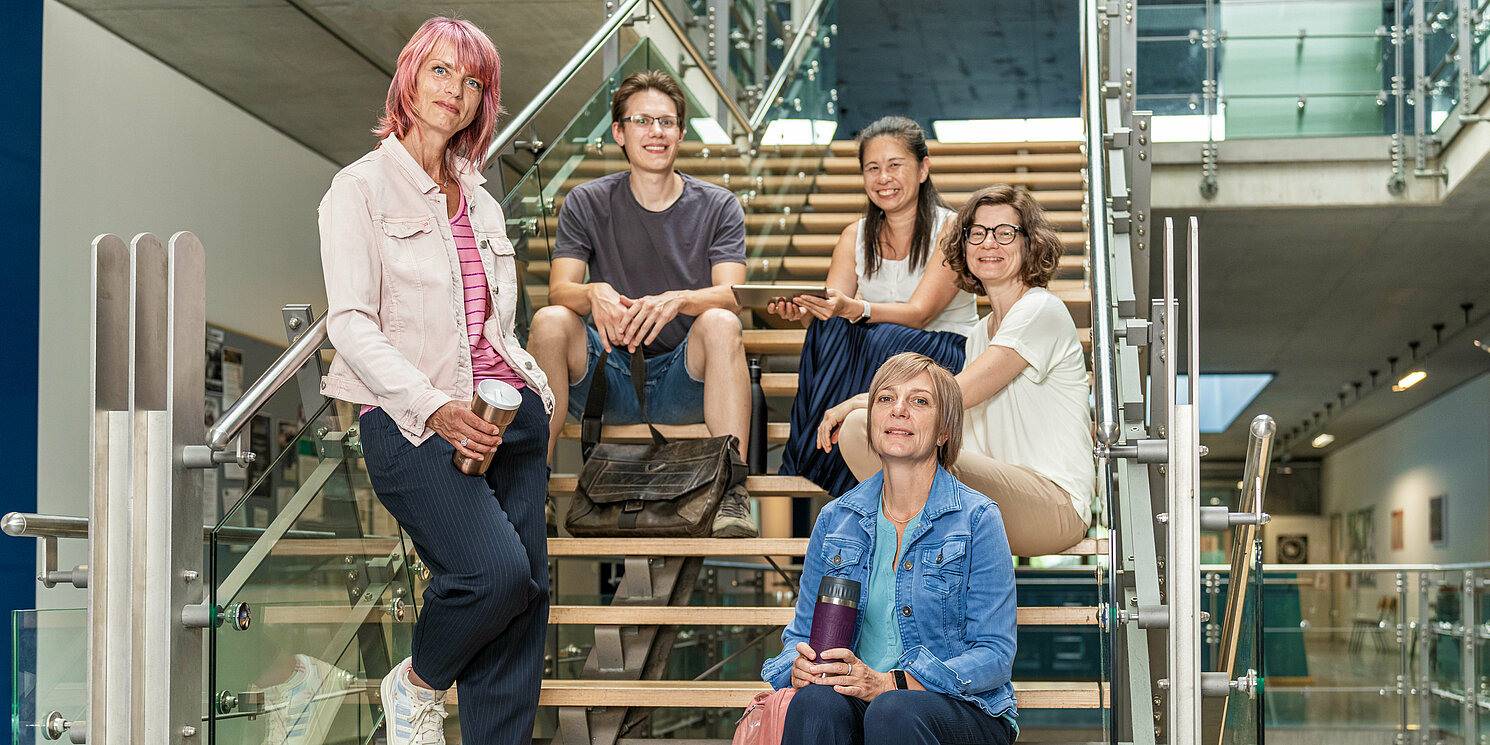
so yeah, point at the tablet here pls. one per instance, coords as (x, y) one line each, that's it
(759, 296)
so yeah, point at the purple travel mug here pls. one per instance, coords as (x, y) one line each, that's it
(835, 615)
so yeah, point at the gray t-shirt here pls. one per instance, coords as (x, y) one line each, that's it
(640, 252)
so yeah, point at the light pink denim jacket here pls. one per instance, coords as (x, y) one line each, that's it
(397, 312)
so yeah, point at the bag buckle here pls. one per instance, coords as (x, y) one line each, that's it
(633, 505)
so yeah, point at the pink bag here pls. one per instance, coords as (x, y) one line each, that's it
(765, 718)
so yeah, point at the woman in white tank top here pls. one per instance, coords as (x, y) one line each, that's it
(889, 291)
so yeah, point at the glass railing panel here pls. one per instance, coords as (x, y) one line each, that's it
(783, 181)
(1284, 68)
(332, 604)
(50, 671)
(1336, 645)
(271, 481)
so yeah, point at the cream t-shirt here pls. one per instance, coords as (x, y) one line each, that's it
(1042, 419)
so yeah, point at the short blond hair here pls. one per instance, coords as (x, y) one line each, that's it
(944, 388)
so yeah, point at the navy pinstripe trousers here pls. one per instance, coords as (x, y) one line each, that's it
(485, 611)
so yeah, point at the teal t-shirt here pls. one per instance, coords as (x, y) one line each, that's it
(879, 639)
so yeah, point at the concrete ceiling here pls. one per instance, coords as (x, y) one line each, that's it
(318, 70)
(1322, 296)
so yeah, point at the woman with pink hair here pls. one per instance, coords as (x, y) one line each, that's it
(421, 286)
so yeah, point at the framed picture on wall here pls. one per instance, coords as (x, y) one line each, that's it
(1438, 519)
(1398, 532)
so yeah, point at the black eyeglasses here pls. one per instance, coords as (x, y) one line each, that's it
(644, 121)
(1002, 234)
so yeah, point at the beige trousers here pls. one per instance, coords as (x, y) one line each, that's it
(1038, 516)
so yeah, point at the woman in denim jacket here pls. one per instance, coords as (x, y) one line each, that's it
(934, 644)
(421, 286)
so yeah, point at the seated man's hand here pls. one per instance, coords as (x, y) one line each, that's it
(646, 316)
(850, 676)
(608, 308)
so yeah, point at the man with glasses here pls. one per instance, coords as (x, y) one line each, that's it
(662, 249)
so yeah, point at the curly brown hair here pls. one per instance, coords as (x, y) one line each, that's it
(1042, 246)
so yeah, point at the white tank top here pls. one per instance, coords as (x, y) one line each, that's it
(894, 282)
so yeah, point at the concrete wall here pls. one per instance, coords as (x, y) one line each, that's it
(1442, 448)
(130, 145)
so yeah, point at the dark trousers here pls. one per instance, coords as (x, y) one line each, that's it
(486, 608)
(821, 716)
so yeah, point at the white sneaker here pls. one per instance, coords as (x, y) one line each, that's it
(300, 710)
(411, 715)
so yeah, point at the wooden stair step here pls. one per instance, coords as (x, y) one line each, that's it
(382, 546)
(774, 245)
(835, 222)
(1051, 199)
(715, 164)
(674, 615)
(727, 547)
(789, 341)
(937, 147)
(854, 183)
(946, 163)
(761, 485)
(736, 694)
(776, 432)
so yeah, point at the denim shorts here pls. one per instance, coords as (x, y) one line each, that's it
(673, 396)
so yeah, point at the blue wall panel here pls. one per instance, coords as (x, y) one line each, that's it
(20, 224)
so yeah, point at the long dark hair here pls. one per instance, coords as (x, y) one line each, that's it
(909, 134)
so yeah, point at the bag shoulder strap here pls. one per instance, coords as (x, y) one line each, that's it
(590, 423)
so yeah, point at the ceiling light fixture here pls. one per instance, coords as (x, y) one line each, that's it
(1409, 380)
(1323, 440)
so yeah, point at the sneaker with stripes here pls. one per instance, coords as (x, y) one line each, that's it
(411, 715)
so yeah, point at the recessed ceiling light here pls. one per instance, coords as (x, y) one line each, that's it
(1409, 380)
(1323, 440)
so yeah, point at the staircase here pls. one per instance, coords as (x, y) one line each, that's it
(797, 200)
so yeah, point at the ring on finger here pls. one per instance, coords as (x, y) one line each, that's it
(462, 442)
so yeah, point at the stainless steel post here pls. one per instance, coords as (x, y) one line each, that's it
(1183, 543)
(1469, 657)
(109, 650)
(149, 316)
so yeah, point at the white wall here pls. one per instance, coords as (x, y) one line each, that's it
(130, 145)
(1440, 449)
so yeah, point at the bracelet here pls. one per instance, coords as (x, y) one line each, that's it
(865, 315)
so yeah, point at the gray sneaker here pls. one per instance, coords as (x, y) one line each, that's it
(733, 519)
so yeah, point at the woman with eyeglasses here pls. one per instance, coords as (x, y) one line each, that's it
(888, 292)
(1027, 433)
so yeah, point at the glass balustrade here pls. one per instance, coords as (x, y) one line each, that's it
(1271, 68)
(49, 680)
(329, 585)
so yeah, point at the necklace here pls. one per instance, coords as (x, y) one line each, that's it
(886, 512)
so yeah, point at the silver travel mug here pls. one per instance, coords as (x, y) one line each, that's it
(496, 402)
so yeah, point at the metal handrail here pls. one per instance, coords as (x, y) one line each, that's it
(258, 394)
(1254, 487)
(788, 64)
(33, 525)
(1104, 365)
(621, 16)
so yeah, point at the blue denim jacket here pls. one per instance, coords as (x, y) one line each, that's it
(958, 615)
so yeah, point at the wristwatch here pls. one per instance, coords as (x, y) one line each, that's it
(865, 315)
(900, 683)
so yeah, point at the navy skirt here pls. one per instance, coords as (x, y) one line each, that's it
(839, 359)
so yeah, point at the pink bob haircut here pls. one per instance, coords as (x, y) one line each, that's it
(474, 51)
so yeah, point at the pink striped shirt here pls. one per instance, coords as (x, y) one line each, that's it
(486, 362)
